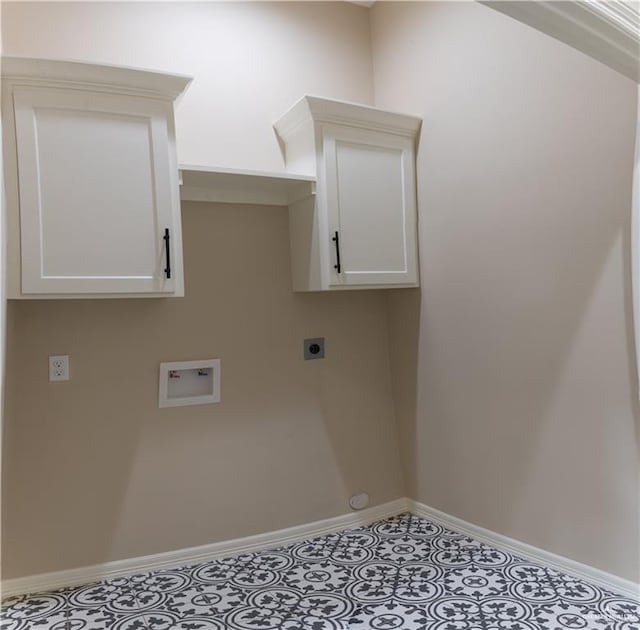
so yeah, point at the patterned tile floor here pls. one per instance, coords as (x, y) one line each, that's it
(403, 572)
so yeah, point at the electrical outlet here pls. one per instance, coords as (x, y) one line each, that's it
(59, 368)
(314, 348)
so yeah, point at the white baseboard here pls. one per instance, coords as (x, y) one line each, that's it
(595, 576)
(281, 537)
(194, 555)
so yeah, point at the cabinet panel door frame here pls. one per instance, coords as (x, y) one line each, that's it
(27, 101)
(333, 136)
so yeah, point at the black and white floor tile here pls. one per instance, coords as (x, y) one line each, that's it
(404, 572)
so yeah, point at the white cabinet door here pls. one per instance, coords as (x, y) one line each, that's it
(371, 203)
(97, 192)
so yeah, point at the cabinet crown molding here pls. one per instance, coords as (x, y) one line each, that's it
(93, 77)
(314, 109)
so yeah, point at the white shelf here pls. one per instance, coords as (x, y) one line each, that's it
(201, 183)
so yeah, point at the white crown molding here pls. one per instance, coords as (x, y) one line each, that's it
(92, 77)
(317, 110)
(585, 572)
(194, 555)
(619, 14)
(607, 31)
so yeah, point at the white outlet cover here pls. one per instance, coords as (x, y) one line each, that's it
(59, 367)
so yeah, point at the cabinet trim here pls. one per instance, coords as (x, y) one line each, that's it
(94, 78)
(329, 111)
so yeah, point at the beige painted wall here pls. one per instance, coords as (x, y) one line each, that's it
(94, 471)
(251, 61)
(513, 367)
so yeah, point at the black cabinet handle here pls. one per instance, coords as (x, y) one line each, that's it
(336, 240)
(166, 238)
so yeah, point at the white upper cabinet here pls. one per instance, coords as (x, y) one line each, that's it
(92, 181)
(360, 229)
